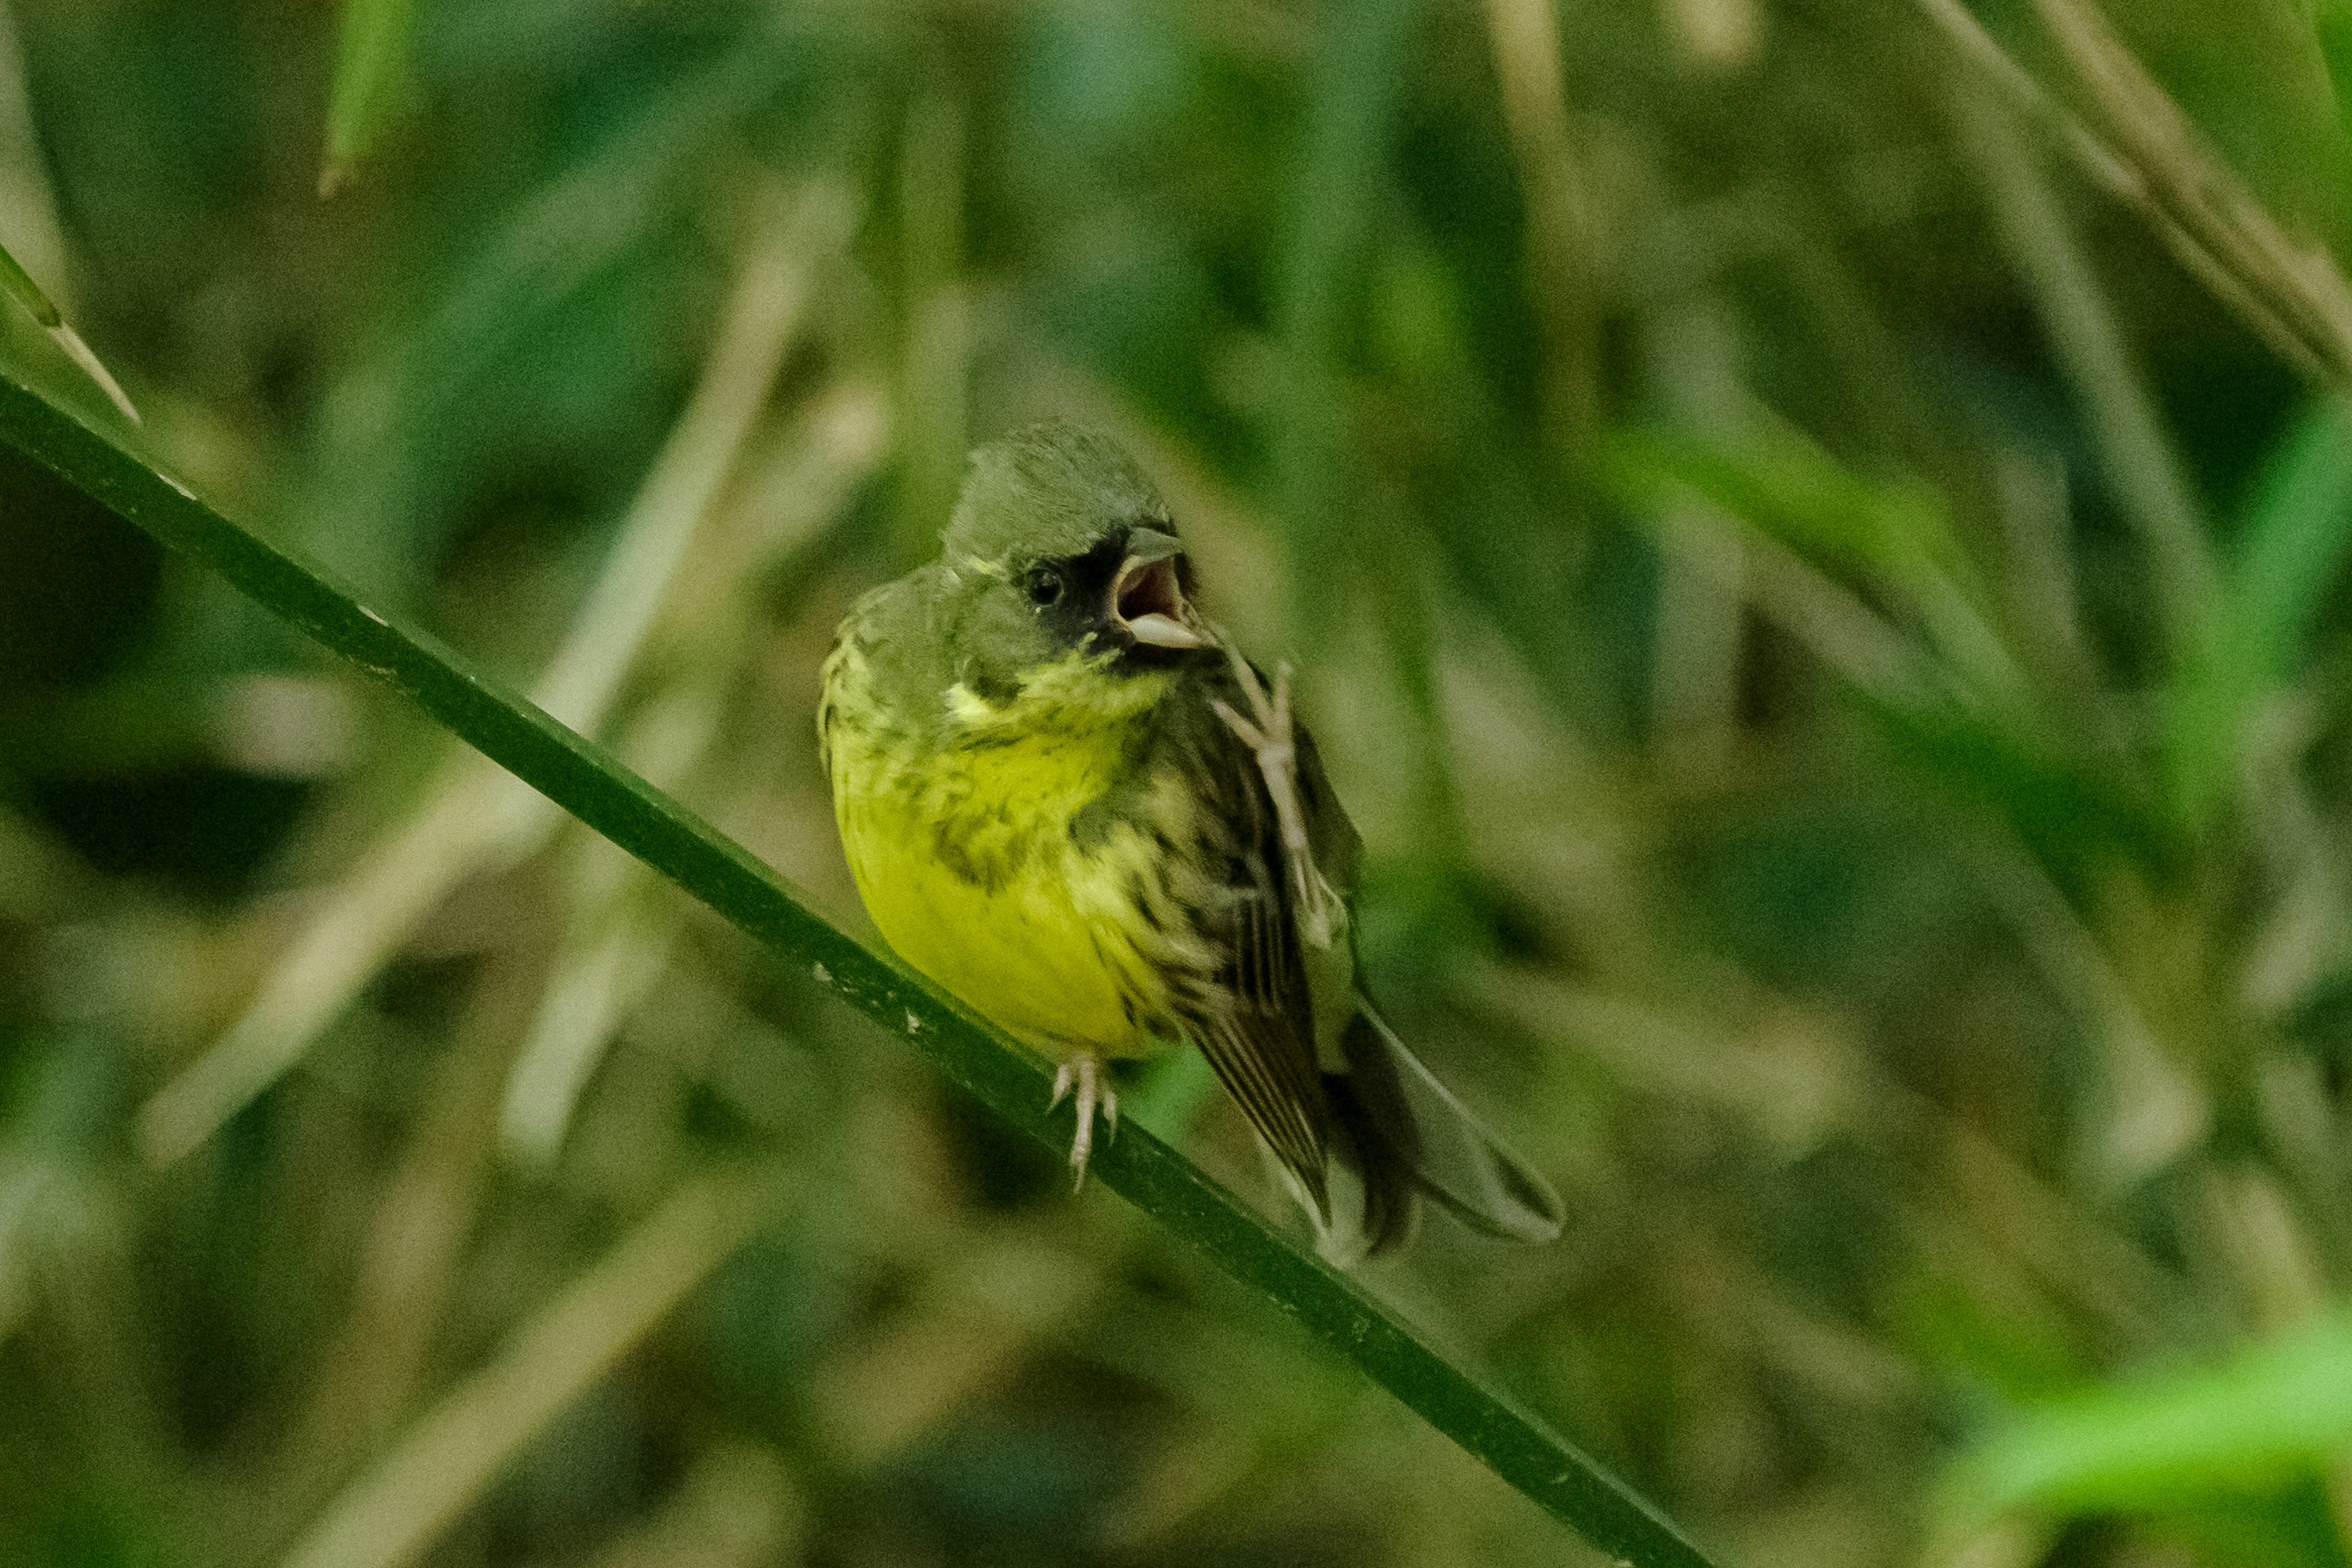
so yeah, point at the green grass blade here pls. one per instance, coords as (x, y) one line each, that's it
(2331, 20)
(583, 780)
(2288, 553)
(2268, 1412)
(1785, 485)
(371, 53)
(18, 285)
(1350, 118)
(1777, 479)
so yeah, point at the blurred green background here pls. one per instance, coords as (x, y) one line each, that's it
(1812, 538)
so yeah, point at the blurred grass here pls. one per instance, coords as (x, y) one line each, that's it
(372, 49)
(1733, 475)
(458, 1450)
(478, 815)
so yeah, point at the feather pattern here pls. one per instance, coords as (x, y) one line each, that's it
(1253, 1014)
(1108, 847)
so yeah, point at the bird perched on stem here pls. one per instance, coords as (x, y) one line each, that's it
(1069, 800)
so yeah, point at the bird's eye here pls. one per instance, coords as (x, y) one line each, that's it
(1044, 585)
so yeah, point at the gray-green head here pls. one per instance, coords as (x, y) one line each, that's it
(1060, 544)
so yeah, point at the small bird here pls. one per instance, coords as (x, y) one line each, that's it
(1066, 798)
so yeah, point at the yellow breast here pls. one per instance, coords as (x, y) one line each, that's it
(963, 853)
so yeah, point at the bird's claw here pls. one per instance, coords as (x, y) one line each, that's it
(1095, 1092)
(1274, 740)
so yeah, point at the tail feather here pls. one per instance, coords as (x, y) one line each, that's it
(1401, 1131)
(1376, 1146)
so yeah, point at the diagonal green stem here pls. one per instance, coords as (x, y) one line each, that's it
(18, 285)
(584, 780)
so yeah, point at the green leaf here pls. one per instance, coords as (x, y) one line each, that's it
(2270, 1414)
(2290, 549)
(371, 57)
(608, 798)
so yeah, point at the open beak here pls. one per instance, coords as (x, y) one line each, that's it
(1147, 599)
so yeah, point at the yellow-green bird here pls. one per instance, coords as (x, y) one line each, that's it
(1065, 798)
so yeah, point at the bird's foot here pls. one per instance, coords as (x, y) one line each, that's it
(1094, 1086)
(1269, 733)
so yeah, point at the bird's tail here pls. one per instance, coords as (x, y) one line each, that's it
(1402, 1134)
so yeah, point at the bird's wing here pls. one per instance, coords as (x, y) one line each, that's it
(1253, 1014)
(847, 675)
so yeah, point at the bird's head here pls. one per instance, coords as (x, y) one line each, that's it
(1061, 551)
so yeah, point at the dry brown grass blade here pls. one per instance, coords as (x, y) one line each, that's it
(2146, 152)
(2191, 185)
(2096, 353)
(475, 816)
(1563, 227)
(392, 1513)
